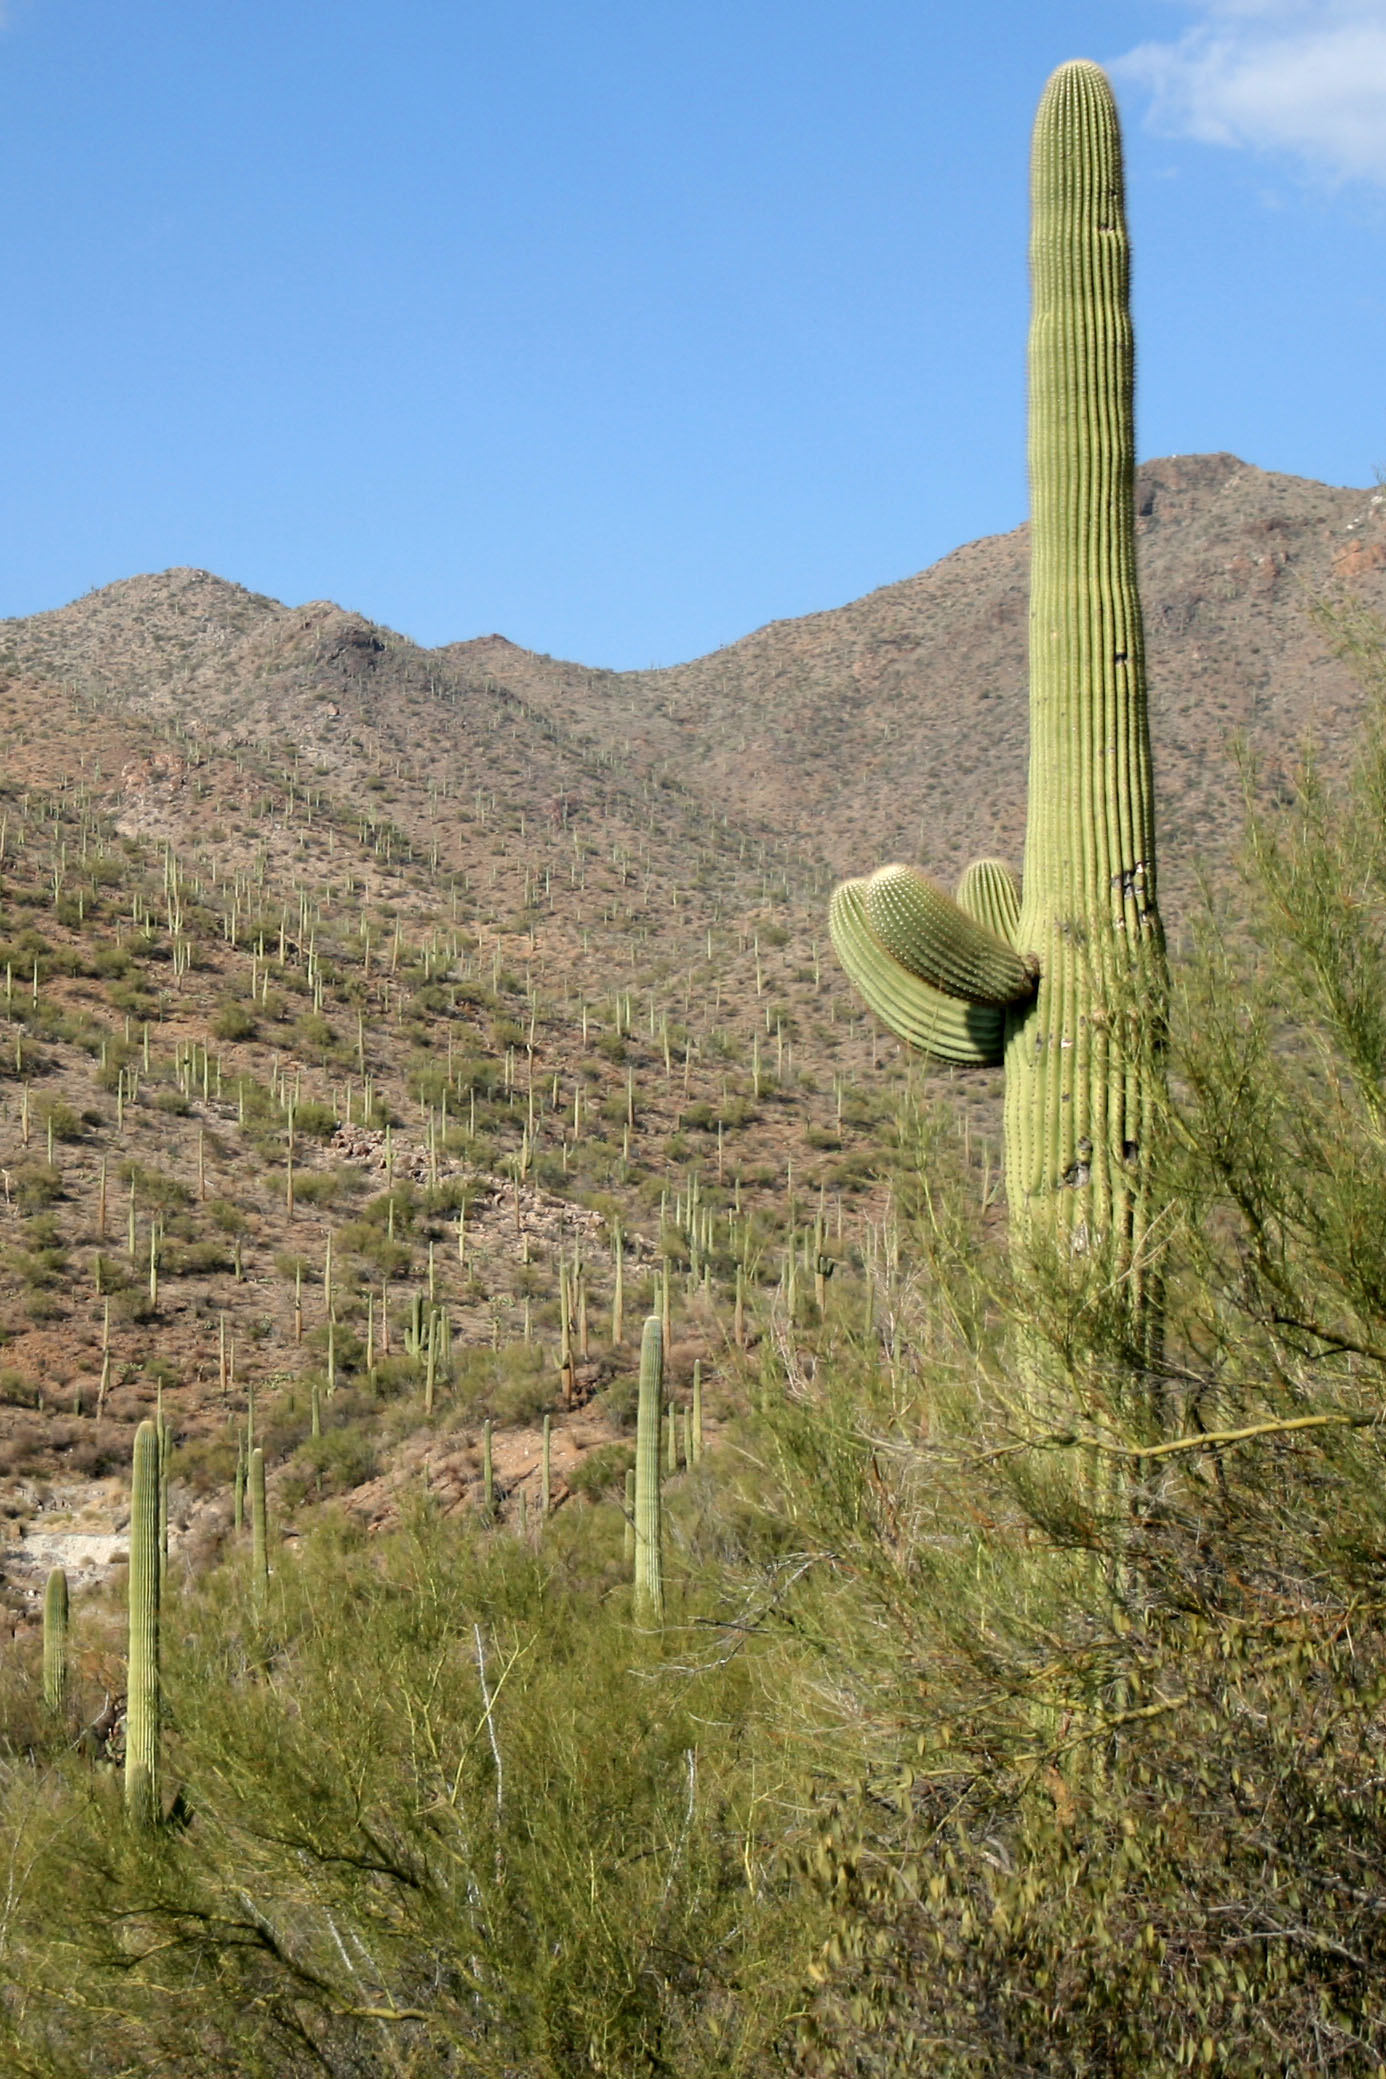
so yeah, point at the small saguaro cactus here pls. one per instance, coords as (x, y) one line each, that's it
(142, 1706)
(55, 1642)
(696, 1413)
(649, 1574)
(259, 1524)
(546, 1468)
(1065, 982)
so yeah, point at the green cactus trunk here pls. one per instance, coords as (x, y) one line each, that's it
(546, 1469)
(55, 1642)
(1082, 1056)
(695, 1450)
(649, 1574)
(142, 1712)
(259, 1525)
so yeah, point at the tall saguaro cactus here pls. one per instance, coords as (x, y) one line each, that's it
(142, 1700)
(649, 1572)
(1066, 984)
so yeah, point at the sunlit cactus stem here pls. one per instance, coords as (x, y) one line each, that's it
(142, 1705)
(1083, 1058)
(259, 1524)
(546, 1468)
(55, 1642)
(649, 1576)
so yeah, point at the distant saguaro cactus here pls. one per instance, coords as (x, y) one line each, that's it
(649, 1572)
(55, 1642)
(142, 1705)
(259, 1524)
(1066, 982)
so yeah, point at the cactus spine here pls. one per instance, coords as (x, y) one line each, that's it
(55, 1642)
(649, 1576)
(1081, 1043)
(142, 1799)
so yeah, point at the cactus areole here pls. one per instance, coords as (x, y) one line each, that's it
(1077, 1009)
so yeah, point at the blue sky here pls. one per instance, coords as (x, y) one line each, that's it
(622, 329)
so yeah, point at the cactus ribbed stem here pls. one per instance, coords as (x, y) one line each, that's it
(55, 1642)
(1082, 1075)
(628, 1542)
(142, 1797)
(649, 1574)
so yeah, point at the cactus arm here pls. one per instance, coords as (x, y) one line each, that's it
(142, 1799)
(936, 939)
(921, 1016)
(990, 892)
(649, 1576)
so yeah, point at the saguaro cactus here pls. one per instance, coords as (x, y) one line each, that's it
(649, 1573)
(55, 1642)
(142, 1674)
(259, 1525)
(1068, 985)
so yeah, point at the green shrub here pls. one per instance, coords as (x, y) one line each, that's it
(234, 1021)
(602, 1472)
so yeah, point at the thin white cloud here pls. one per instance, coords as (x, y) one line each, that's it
(1306, 77)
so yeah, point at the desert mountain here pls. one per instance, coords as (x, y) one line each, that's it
(896, 726)
(893, 726)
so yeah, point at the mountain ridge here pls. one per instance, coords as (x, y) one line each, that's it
(894, 725)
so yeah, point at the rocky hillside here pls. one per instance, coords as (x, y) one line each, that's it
(313, 939)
